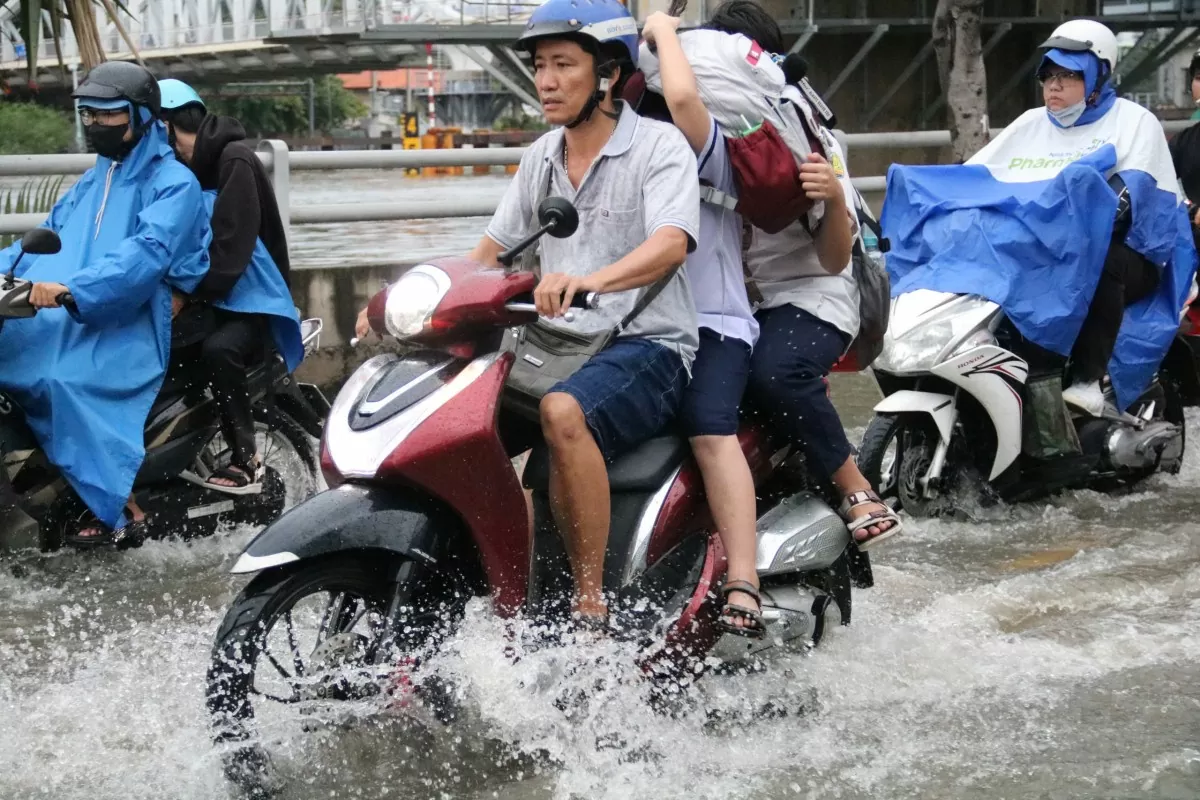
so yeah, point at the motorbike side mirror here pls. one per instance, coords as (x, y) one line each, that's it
(558, 216)
(41, 242)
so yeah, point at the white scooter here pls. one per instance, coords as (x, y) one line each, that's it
(969, 403)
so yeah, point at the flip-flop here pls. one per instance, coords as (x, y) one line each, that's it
(757, 628)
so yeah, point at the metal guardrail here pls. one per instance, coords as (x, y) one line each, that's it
(280, 162)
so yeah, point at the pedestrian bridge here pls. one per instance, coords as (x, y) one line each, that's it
(215, 41)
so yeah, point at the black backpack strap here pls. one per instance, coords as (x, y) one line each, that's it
(645, 300)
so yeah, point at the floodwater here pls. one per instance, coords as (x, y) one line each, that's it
(1048, 651)
(370, 243)
(404, 242)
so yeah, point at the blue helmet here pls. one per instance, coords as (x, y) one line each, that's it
(602, 21)
(176, 94)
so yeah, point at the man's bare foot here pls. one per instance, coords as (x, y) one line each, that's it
(590, 614)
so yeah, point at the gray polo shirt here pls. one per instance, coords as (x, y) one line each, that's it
(644, 179)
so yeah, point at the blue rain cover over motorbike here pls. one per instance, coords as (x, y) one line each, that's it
(1027, 222)
(261, 290)
(87, 384)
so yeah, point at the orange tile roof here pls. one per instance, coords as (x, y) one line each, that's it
(392, 79)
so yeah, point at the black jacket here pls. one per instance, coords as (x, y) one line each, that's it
(245, 209)
(1185, 152)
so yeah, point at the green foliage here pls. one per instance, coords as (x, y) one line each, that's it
(30, 128)
(333, 105)
(33, 197)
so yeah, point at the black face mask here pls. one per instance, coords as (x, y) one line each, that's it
(109, 140)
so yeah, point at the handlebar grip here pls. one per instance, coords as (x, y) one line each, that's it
(66, 299)
(588, 300)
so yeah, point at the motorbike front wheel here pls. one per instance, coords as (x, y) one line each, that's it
(320, 638)
(896, 452)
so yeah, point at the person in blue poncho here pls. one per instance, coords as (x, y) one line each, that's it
(1071, 219)
(247, 280)
(132, 227)
(1077, 89)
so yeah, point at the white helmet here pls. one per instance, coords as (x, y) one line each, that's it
(1085, 35)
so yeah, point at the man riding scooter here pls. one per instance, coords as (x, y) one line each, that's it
(132, 227)
(634, 183)
(246, 283)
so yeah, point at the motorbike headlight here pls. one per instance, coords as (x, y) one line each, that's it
(952, 328)
(915, 351)
(977, 339)
(414, 298)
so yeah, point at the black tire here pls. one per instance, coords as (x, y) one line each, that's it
(1174, 413)
(241, 638)
(433, 610)
(915, 438)
(293, 431)
(881, 432)
(253, 613)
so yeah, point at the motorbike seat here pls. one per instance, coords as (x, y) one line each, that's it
(642, 469)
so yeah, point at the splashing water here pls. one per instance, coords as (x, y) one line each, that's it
(1046, 651)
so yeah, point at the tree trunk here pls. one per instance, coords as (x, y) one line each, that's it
(113, 15)
(87, 35)
(958, 43)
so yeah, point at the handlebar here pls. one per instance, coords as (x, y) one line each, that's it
(587, 300)
(67, 300)
(530, 308)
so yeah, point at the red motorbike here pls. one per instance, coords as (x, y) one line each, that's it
(427, 511)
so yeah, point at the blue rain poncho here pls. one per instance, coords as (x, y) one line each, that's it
(261, 290)
(1026, 223)
(130, 230)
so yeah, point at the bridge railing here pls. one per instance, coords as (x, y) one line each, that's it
(280, 162)
(179, 24)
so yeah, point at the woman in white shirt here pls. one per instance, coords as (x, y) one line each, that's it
(808, 318)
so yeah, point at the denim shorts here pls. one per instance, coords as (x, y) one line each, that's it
(711, 400)
(629, 392)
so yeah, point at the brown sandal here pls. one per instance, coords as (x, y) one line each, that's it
(757, 629)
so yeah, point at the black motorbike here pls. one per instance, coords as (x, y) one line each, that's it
(184, 445)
